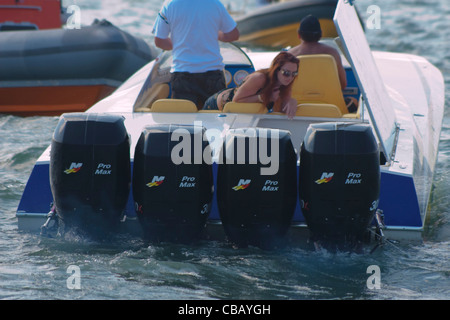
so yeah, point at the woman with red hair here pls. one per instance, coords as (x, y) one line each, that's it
(271, 86)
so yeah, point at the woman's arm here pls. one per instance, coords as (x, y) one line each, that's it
(247, 92)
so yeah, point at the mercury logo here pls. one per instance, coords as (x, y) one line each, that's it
(243, 184)
(156, 182)
(326, 177)
(74, 168)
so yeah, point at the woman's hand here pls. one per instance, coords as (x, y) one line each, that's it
(290, 108)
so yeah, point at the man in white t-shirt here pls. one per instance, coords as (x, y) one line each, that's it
(193, 29)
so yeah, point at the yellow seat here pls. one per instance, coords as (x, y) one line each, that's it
(318, 82)
(173, 105)
(356, 115)
(243, 107)
(318, 110)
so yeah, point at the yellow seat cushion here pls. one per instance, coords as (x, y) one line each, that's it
(318, 110)
(242, 107)
(173, 105)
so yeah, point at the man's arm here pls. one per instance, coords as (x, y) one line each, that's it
(341, 71)
(165, 44)
(231, 36)
(340, 67)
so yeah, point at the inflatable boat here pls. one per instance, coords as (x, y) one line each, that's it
(275, 25)
(139, 161)
(47, 70)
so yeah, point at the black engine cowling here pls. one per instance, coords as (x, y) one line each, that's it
(172, 184)
(257, 186)
(339, 181)
(90, 174)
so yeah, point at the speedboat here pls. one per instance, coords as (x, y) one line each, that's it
(275, 25)
(48, 70)
(139, 161)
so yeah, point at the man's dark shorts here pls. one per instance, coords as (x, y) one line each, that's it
(197, 87)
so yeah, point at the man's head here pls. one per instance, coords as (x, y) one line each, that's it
(309, 29)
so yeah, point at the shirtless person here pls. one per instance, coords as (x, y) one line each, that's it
(309, 34)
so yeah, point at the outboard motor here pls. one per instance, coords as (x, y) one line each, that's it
(90, 173)
(257, 186)
(172, 183)
(339, 182)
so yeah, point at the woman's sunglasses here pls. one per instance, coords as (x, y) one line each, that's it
(287, 73)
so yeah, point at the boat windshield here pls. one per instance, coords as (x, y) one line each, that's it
(233, 58)
(232, 55)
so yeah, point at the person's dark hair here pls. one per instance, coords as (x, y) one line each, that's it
(309, 29)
